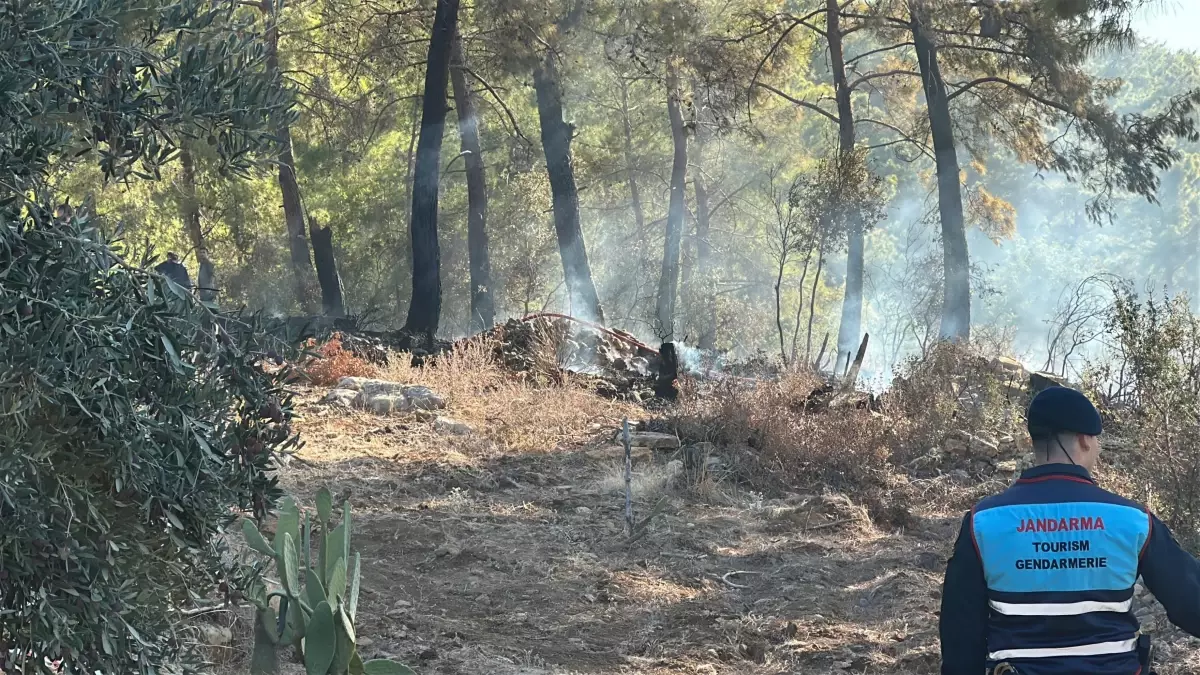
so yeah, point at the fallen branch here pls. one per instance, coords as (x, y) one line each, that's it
(725, 578)
(825, 526)
(641, 528)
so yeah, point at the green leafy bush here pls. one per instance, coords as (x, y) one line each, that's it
(1149, 389)
(314, 611)
(136, 425)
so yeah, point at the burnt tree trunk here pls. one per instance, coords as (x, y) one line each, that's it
(668, 282)
(483, 308)
(293, 214)
(956, 307)
(332, 303)
(556, 143)
(852, 298)
(303, 277)
(425, 310)
(206, 283)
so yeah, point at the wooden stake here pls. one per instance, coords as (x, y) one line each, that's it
(627, 441)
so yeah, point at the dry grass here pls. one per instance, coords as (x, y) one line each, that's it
(503, 552)
(518, 415)
(778, 442)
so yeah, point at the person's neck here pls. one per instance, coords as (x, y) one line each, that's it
(1059, 459)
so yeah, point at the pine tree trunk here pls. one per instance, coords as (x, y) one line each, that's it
(956, 307)
(812, 303)
(556, 143)
(425, 310)
(705, 311)
(635, 195)
(707, 296)
(409, 154)
(206, 283)
(852, 298)
(303, 277)
(668, 283)
(332, 303)
(293, 213)
(483, 309)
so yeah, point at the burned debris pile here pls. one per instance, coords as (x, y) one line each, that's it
(617, 364)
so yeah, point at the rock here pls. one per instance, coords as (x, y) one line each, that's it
(342, 397)
(363, 641)
(1009, 465)
(424, 398)
(426, 416)
(450, 425)
(1042, 380)
(651, 439)
(215, 636)
(1007, 364)
(963, 442)
(582, 510)
(370, 386)
(616, 453)
(382, 404)
(929, 561)
(385, 398)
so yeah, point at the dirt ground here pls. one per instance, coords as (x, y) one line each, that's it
(481, 559)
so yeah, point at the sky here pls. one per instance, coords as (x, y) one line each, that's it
(1176, 23)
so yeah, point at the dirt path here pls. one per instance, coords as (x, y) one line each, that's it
(476, 562)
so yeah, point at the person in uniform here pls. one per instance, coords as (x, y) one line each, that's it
(1042, 578)
(175, 271)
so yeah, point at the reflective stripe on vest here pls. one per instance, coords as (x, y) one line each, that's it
(1098, 649)
(1059, 608)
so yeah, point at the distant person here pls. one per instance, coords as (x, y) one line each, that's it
(175, 271)
(1042, 577)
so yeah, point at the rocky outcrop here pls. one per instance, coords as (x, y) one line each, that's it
(382, 397)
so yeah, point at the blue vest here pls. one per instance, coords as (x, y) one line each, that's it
(1060, 557)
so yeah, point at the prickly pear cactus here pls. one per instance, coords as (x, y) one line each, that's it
(314, 610)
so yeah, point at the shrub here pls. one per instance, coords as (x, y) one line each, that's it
(780, 442)
(330, 362)
(137, 424)
(1149, 387)
(953, 388)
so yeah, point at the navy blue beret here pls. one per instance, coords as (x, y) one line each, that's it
(1058, 410)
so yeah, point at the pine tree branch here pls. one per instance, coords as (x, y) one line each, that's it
(903, 135)
(874, 76)
(500, 102)
(1020, 89)
(877, 51)
(804, 104)
(774, 47)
